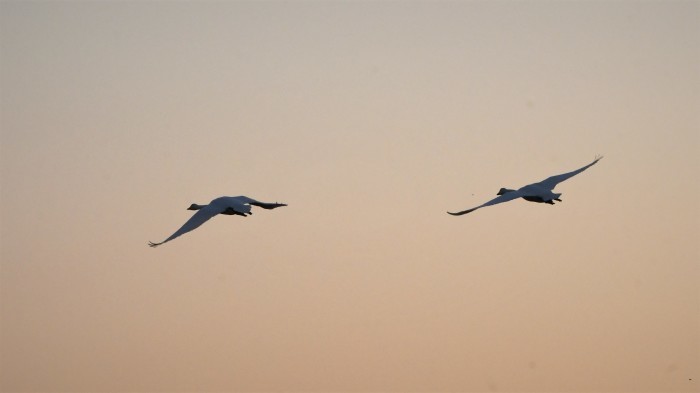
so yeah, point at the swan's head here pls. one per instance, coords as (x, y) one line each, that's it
(504, 191)
(194, 206)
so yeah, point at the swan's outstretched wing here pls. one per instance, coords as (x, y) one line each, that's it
(503, 198)
(264, 205)
(199, 218)
(268, 206)
(552, 181)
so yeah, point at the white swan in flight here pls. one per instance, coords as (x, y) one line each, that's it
(239, 205)
(536, 192)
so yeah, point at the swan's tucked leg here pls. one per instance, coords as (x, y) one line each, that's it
(232, 212)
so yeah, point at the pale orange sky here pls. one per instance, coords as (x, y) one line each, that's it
(371, 120)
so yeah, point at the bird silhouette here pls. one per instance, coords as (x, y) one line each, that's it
(541, 192)
(238, 205)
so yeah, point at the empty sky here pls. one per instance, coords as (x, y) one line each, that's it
(370, 119)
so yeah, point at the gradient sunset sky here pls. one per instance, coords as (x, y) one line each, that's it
(371, 120)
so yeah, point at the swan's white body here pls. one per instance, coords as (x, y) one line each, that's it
(536, 192)
(239, 205)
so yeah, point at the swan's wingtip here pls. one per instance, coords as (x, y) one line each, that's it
(462, 212)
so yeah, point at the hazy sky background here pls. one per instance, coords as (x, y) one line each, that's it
(371, 120)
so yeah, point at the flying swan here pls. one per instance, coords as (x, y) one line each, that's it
(536, 192)
(239, 206)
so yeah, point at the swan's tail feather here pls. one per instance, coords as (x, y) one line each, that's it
(504, 191)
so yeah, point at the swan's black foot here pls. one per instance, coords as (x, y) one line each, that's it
(557, 199)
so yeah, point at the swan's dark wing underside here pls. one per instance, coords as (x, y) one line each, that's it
(503, 198)
(203, 215)
(552, 181)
